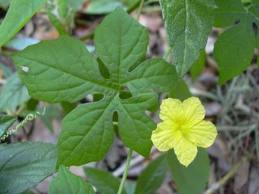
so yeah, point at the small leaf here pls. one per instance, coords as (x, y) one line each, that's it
(67, 183)
(152, 177)
(107, 6)
(192, 179)
(188, 25)
(24, 165)
(181, 91)
(57, 23)
(198, 66)
(104, 182)
(103, 6)
(234, 51)
(13, 94)
(19, 13)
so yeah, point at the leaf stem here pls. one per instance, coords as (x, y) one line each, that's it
(125, 174)
(140, 8)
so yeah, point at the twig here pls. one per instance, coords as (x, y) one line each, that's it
(215, 186)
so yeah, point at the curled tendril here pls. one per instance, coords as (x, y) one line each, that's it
(29, 117)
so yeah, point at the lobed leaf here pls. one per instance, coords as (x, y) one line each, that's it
(63, 71)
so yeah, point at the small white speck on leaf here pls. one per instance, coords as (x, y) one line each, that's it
(25, 69)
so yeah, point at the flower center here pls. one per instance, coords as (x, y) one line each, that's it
(181, 125)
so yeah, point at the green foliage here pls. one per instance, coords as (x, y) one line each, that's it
(181, 91)
(5, 71)
(61, 14)
(87, 131)
(198, 66)
(107, 6)
(67, 183)
(192, 179)
(235, 46)
(5, 122)
(19, 13)
(104, 182)
(152, 177)
(4, 3)
(188, 25)
(52, 112)
(13, 94)
(23, 165)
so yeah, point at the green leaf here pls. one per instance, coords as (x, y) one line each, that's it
(104, 182)
(24, 165)
(75, 4)
(235, 46)
(198, 66)
(63, 8)
(19, 13)
(152, 177)
(13, 94)
(5, 70)
(107, 6)
(228, 12)
(234, 51)
(181, 91)
(4, 3)
(57, 23)
(67, 183)
(87, 131)
(86, 137)
(130, 187)
(192, 179)
(188, 25)
(6, 122)
(103, 6)
(153, 73)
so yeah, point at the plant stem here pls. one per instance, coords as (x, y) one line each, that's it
(140, 8)
(125, 174)
(214, 187)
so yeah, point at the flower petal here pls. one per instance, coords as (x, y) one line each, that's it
(203, 134)
(194, 111)
(165, 137)
(170, 108)
(185, 151)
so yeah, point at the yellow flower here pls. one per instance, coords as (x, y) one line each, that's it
(183, 129)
